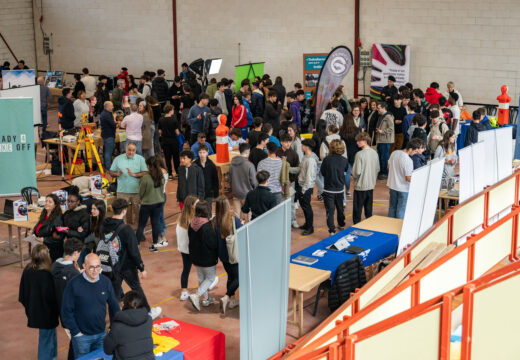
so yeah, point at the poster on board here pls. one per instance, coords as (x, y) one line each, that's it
(312, 64)
(17, 159)
(389, 60)
(16, 78)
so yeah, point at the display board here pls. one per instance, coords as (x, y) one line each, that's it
(312, 64)
(504, 151)
(17, 159)
(54, 79)
(389, 60)
(32, 92)
(264, 245)
(490, 159)
(16, 78)
(466, 182)
(248, 71)
(422, 202)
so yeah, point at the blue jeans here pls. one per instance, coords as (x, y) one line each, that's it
(347, 175)
(383, 150)
(108, 149)
(397, 205)
(47, 344)
(162, 223)
(85, 344)
(44, 118)
(139, 145)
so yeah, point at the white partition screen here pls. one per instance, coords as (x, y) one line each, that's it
(504, 152)
(488, 137)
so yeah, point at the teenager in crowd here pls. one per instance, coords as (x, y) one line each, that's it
(273, 165)
(191, 178)
(384, 137)
(268, 129)
(333, 169)
(147, 129)
(252, 136)
(38, 296)
(203, 246)
(318, 136)
(76, 218)
(399, 113)
(46, 230)
(223, 226)
(448, 148)
(242, 177)
(419, 160)
(239, 120)
(294, 161)
(399, 177)
(257, 153)
(348, 132)
(187, 101)
(130, 335)
(260, 199)
(64, 269)
(209, 170)
(437, 130)
(407, 122)
(371, 119)
(364, 173)
(306, 180)
(273, 109)
(474, 128)
(235, 139)
(133, 123)
(296, 143)
(96, 219)
(332, 116)
(389, 91)
(333, 134)
(169, 131)
(81, 108)
(187, 213)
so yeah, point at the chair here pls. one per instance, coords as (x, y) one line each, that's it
(324, 286)
(28, 192)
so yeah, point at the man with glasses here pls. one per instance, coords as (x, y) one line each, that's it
(84, 304)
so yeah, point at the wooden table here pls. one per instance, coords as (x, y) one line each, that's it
(28, 225)
(381, 224)
(444, 198)
(303, 279)
(223, 169)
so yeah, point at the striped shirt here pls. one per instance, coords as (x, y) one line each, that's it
(273, 167)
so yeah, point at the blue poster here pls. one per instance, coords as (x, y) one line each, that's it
(16, 145)
(314, 62)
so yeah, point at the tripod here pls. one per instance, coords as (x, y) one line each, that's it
(86, 136)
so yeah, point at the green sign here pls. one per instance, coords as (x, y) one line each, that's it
(17, 159)
(248, 71)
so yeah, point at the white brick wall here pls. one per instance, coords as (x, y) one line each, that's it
(16, 25)
(472, 42)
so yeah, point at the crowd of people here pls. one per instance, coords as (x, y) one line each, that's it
(283, 153)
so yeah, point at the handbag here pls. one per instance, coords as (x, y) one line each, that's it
(232, 245)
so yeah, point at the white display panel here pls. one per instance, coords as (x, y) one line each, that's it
(27, 92)
(466, 182)
(432, 193)
(479, 167)
(504, 152)
(490, 156)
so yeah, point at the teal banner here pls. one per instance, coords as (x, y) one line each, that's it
(17, 159)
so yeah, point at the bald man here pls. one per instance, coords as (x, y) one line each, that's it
(45, 99)
(83, 309)
(108, 132)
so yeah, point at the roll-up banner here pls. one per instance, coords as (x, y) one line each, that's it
(338, 63)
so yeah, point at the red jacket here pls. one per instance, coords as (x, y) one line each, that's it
(239, 117)
(124, 76)
(432, 96)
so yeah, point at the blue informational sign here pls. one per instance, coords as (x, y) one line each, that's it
(314, 62)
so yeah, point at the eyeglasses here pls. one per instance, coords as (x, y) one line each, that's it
(92, 268)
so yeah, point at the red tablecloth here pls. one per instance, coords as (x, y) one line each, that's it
(197, 342)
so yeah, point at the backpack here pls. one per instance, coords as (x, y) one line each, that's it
(107, 250)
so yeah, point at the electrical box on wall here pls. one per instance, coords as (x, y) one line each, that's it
(365, 58)
(47, 44)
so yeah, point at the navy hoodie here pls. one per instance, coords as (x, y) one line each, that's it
(66, 109)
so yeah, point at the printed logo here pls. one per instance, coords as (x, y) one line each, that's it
(338, 65)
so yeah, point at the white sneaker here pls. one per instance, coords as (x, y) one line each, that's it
(208, 302)
(233, 303)
(161, 244)
(295, 224)
(214, 283)
(195, 301)
(224, 303)
(185, 296)
(155, 312)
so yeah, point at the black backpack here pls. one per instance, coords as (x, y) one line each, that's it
(107, 252)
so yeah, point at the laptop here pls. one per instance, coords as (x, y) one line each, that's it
(8, 210)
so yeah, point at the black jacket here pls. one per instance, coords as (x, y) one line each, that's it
(280, 92)
(62, 273)
(389, 92)
(472, 134)
(46, 231)
(210, 125)
(352, 148)
(76, 218)
(228, 94)
(211, 183)
(259, 201)
(193, 185)
(203, 245)
(130, 336)
(160, 88)
(349, 276)
(38, 296)
(333, 169)
(421, 134)
(272, 116)
(129, 255)
(66, 109)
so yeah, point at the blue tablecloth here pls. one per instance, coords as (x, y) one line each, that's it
(377, 246)
(100, 354)
(462, 136)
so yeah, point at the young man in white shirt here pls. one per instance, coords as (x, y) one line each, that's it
(400, 168)
(455, 110)
(333, 116)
